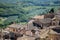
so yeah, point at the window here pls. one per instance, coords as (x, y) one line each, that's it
(37, 25)
(59, 22)
(57, 30)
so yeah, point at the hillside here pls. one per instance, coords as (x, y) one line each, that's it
(23, 10)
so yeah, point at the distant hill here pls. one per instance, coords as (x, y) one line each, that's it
(25, 9)
(35, 2)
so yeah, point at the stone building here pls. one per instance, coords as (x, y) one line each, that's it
(30, 23)
(56, 20)
(40, 23)
(49, 15)
(54, 33)
(14, 27)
